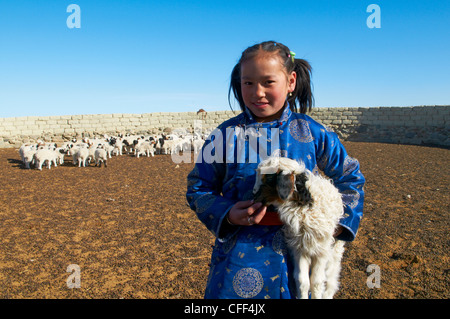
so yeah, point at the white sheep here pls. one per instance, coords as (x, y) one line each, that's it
(60, 152)
(80, 154)
(109, 149)
(100, 156)
(117, 144)
(170, 146)
(27, 152)
(44, 155)
(91, 149)
(310, 207)
(144, 148)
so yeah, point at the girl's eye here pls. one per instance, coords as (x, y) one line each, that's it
(247, 83)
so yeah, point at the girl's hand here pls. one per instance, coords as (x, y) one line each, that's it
(246, 213)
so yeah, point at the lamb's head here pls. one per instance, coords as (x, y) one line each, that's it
(279, 180)
(112, 141)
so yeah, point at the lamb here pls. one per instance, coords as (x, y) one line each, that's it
(44, 155)
(80, 154)
(144, 148)
(109, 149)
(27, 152)
(170, 146)
(159, 143)
(100, 156)
(116, 144)
(60, 152)
(310, 207)
(91, 149)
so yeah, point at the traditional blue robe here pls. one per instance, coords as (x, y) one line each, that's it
(252, 261)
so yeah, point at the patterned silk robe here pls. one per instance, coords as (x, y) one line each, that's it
(253, 261)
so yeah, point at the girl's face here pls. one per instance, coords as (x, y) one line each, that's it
(265, 86)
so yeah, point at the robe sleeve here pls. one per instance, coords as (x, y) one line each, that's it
(333, 160)
(204, 195)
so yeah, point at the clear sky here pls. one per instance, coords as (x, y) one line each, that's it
(171, 56)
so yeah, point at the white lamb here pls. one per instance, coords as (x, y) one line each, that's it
(310, 208)
(100, 156)
(145, 148)
(60, 152)
(117, 145)
(170, 146)
(80, 154)
(44, 155)
(27, 152)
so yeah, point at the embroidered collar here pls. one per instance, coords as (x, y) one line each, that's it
(249, 118)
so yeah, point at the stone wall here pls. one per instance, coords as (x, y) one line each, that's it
(409, 125)
(419, 125)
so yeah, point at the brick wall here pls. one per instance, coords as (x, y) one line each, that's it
(409, 125)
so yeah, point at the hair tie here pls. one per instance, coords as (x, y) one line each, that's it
(292, 55)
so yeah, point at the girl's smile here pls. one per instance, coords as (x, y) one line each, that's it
(265, 86)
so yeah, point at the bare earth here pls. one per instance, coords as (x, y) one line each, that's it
(129, 229)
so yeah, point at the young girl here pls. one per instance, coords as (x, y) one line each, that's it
(250, 259)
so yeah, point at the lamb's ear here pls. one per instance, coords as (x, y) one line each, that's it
(303, 194)
(258, 182)
(285, 185)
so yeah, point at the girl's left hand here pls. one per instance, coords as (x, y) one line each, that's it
(246, 213)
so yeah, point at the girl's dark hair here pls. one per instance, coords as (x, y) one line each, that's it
(302, 98)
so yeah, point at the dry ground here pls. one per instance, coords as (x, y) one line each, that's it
(129, 228)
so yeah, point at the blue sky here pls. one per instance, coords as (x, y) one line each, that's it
(171, 56)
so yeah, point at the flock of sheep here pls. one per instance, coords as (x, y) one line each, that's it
(99, 150)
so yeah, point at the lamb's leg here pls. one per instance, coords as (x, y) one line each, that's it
(332, 273)
(333, 270)
(297, 276)
(303, 277)
(318, 278)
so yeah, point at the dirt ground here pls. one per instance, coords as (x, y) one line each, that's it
(129, 229)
